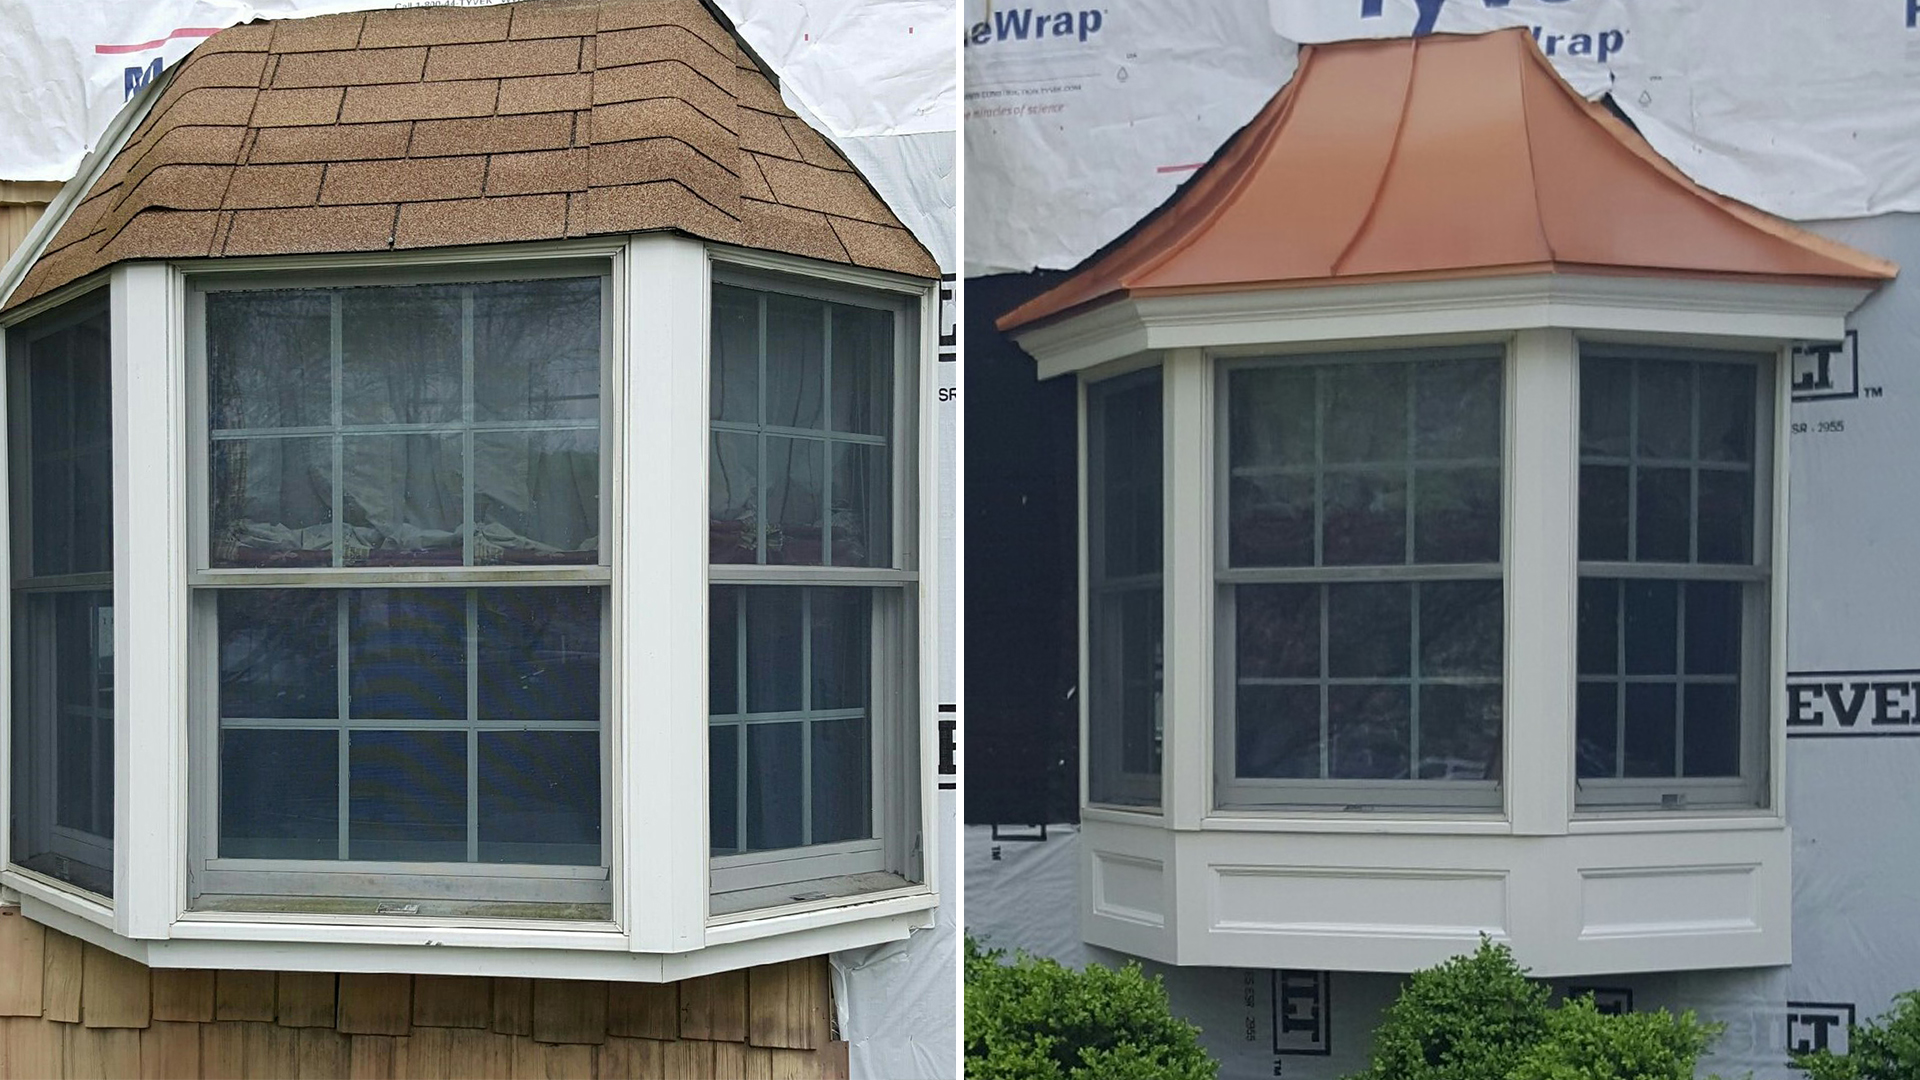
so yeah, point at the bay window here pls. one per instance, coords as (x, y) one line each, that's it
(396, 637)
(1126, 719)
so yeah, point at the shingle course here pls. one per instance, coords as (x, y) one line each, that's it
(443, 126)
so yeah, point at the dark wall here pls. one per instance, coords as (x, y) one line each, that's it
(1021, 629)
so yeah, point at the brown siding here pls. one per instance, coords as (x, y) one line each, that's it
(127, 1020)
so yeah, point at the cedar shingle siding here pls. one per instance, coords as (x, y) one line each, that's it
(68, 1009)
(446, 126)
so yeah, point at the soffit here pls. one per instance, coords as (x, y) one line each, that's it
(446, 126)
(1443, 156)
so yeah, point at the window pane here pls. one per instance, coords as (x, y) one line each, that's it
(539, 654)
(270, 359)
(1460, 628)
(536, 350)
(733, 494)
(536, 496)
(1270, 520)
(862, 369)
(279, 654)
(859, 519)
(1665, 421)
(407, 653)
(1459, 732)
(407, 796)
(723, 787)
(1662, 520)
(1457, 410)
(400, 356)
(1650, 743)
(1603, 512)
(1366, 519)
(1652, 609)
(1606, 402)
(63, 449)
(1456, 516)
(1277, 732)
(776, 782)
(796, 373)
(1727, 397)
(272, 502)
(839, 652)
(1725, 514)
(735, 391)
(403, 500)
(1124, 711)
(1369, 732)
(1712, 729)
(1596, 730)
(775, 673)
(1713, 628)
(539, 797)
(279, 794)
(794, 493)
(1270, 412)
(1599, 631)
(1369, 630)
(1365, 406)
(841, 788)
(723, 650)
(1278, 631)
(1126, 521)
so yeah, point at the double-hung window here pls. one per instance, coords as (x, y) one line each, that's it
(811, 610)
(1675, 550)
(400, 593)
(61, 454)
(1126, 721)
(1359, 586)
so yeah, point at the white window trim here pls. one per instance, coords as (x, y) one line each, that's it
(661, 930)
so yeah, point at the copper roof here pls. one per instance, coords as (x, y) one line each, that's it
(439, 126)
(1442, 156)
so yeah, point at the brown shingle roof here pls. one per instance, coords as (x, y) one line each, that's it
(444, 126)
(1432, 157)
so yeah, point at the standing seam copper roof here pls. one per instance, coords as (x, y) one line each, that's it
(1443, 156)
(443, 126)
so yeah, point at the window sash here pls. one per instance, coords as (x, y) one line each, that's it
(464, 889)
(1748, 789)
(1111, 778)
(1232, 791)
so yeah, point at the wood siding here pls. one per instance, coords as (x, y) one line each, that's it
(69, 1009)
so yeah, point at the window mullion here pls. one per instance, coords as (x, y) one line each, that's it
(760, 444)
(826, 447)
(466, 432)
(337, 447)
(806, 711)
(473, 716)
(343, 687)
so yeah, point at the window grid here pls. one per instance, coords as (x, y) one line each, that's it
(344, 723)
(1410, 571)
(337, 430)
(806, 716)
(1748, 574)
(826, 435)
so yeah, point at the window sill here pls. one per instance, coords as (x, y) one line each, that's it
(1477, 823)
(1638, 820)
(63, 898)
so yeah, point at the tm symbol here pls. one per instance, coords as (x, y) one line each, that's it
(1872, 391)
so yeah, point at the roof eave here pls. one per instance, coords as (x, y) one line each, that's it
(1338, 313)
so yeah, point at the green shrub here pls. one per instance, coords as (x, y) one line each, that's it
(1034, 1019)
(1887, 1048)
(1479, 1017)
(1582, 1043)
(1471, 1018)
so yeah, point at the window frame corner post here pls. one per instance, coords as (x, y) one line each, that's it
(660, 776)
(931, 646)
(1188, 648)
(148, 369)
(1542, 516)
(1781, 417)
(1083, 578)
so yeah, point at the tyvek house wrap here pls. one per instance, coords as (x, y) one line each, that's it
(1853, 760)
